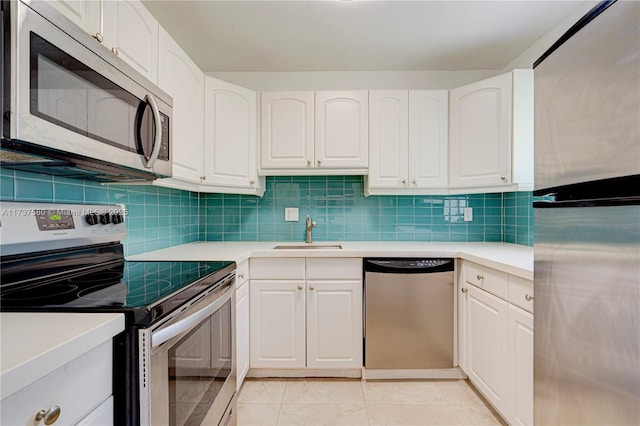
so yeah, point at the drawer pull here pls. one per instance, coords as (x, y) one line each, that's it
(464, 290)
(312, 288)
(299, 287)
(241, 276)
(50, 416)
(479, 277)
(528, 298)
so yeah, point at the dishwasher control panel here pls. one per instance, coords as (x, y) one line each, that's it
(408, 265)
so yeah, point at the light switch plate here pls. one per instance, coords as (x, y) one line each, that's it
(468, 214)
(291, 214)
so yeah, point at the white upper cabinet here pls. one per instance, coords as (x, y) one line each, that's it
(181, 78)
(491, 133)
(286, 120)
(428, 138)
(306, 133)
(230, 136)
(131, 32)
(87, 14)
(480, 143)
(408, 141)
(388, 138)
(341, 129)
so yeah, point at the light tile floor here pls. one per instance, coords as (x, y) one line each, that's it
(301, 402)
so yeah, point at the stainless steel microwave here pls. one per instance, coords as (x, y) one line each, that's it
(72, 108)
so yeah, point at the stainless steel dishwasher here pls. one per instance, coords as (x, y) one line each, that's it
(408, 313)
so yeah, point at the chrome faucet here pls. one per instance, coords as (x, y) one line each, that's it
(310, 226)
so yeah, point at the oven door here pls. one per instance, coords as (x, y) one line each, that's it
(187, 368)
(68, 97)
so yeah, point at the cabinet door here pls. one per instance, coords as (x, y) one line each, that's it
(334, 324)
(486, 341)
(242, 333)
(388, 138)
(341, 129)
(520, 366)
(480, 133)
(101, 416)
(462, 303)
(133, 32)
(428, 138)
(277, 324)
(286, 120)
(87, 14)
(183, 80)
(230, 134)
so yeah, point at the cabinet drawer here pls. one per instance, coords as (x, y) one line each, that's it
(486, 278)
(334, 268)
(520, 290)
(77, 388)
(277, 268)
(242, 273)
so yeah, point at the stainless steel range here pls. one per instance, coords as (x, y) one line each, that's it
(173, 364)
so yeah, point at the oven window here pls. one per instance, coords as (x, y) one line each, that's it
(199, 365)
(66, 92)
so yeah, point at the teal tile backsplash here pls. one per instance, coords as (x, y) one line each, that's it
(157, 217)
(342, 212)
(160, 217)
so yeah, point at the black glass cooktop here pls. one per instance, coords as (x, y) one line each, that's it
(144, 291)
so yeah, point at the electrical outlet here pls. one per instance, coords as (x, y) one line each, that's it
(468, 214)
(291, 214)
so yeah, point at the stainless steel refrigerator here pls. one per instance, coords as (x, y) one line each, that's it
(587, 241)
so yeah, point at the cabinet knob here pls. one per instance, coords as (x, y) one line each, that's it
(404, 181)
(241, 276)
(308, 163)
(464, 290)
(253, 181)
(203, 178)
(50, 416)
(98, 37)
(114, 50)
(480, 277)
(528, 297)
(319, 162)
(414, 182)
(311, 288)
(504, 178)
(299, 287)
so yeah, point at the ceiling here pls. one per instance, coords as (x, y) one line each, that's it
(357, 35)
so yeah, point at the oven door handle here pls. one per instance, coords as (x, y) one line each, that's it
(164, 334)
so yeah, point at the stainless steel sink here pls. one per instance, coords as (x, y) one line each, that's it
(309, 246)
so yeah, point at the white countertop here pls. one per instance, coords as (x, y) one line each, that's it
(511, 258)
(33, 345)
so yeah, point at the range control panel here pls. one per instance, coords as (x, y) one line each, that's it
(30, 227)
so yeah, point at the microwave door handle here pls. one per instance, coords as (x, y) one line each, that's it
(148, 163)
(164, 334)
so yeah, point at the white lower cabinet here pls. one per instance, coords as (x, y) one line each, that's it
(101, 416)
(79, 389)
(309, 319)
(520, 367)
(495, 338)
(242, 333)
(486, 333)
(277, 324)
(334, 324)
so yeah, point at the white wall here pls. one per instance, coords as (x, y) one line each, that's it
(529, 56)
(329, 80)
